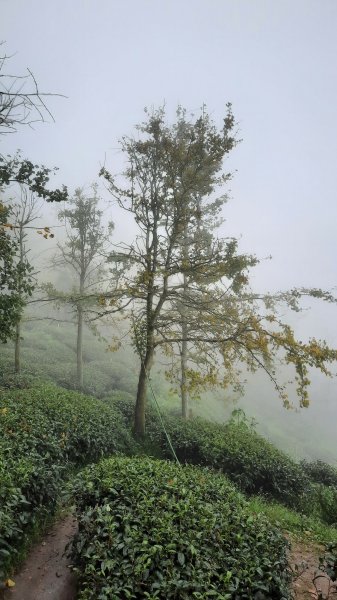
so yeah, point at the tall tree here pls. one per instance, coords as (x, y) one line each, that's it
(15, 281)
(82, 252)
(170, 170)
(21, 103)
(202, 237)
(24, 213)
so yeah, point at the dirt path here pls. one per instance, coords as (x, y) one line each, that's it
(311, 584)
(45, 574)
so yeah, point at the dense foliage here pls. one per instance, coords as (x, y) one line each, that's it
(45, 433)
(252, 462)
(320, 472)
(15, 279)
(248, 459)
(152, 529)
(328, 562)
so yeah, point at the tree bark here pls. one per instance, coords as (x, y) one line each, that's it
(183, 381)
(79, 346)
(79, 350)
(139, 423)
(184, 331)
(17, 357)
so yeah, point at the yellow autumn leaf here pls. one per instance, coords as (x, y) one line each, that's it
(9, 583)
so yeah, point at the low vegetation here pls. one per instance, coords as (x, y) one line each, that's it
(150, 529)
(248, 459)
(148, 526)
(46, 433)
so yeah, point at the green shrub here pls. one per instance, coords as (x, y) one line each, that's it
(10, 380)
(323, 503)
(45, 432)
(320, 472)
(248, 459)
(328, 562)
(151, 529)
(124, 403)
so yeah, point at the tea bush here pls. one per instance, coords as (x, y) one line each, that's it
(323, 501)
(151, 529)
(328, 562)
(248, 459)
(254, 464)
(320, 472)
(46, 432)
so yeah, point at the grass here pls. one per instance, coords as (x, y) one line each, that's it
(304, 527)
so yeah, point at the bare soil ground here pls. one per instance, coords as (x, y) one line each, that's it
(311, 584)
(45, 575)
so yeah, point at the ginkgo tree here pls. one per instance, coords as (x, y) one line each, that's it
(187, 288)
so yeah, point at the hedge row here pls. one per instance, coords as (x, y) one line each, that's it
(45, 432)
(248, 459)
(151, 529)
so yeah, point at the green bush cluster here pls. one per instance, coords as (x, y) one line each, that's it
(151, 529)
(328, 562)
(248, 459)
(254, 464)
(320, 472)
(45, 433)
(322, 503)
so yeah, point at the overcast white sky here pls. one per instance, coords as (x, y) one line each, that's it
(275, 60)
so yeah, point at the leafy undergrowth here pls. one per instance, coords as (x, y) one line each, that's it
(151, 529)
(46, 433)
(248, 459)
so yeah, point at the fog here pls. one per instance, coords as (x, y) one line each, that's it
(276, 63)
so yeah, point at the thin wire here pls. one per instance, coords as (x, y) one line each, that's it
(160, 417)
(155, 399)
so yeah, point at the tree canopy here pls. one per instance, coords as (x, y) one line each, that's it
(178, 272)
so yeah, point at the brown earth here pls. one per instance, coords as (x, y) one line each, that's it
(45, 575)
(309, 583)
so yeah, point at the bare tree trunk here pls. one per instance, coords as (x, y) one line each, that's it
(79, 347)
(183, 362)
(184, 331)
(17, 358)
(146, 364)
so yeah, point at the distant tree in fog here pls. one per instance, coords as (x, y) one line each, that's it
(81, 253)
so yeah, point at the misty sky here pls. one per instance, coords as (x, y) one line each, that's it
(275, 60)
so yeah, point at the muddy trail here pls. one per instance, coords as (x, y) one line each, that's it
(309, 583)
(46, 575)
